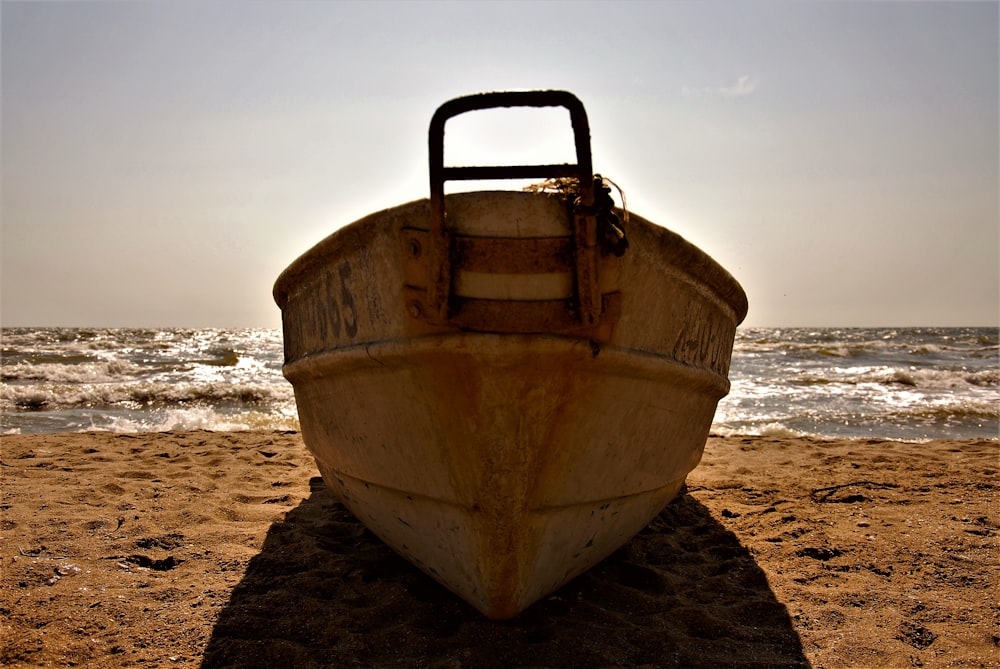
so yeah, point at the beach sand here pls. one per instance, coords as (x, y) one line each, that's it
(191, 549)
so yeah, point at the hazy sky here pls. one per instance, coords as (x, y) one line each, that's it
(163, 162)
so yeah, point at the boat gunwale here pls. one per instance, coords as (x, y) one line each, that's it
(682, 255)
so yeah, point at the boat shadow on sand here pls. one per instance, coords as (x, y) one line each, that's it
(325, 592)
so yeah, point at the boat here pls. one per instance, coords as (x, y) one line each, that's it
(506, 386)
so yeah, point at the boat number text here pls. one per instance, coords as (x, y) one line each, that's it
(341, 308)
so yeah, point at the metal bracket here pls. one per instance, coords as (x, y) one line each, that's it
(589, 300)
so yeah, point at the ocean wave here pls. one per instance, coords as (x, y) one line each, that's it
(940, 417)
(771, 429)
(86, 370)
(200, 418)
(925, 378)
(52, 396)
(937, 378)
(928, 343)
(951, 411)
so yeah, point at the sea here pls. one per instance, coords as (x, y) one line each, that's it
(911, 384)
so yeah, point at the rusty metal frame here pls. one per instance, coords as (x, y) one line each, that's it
(585, 225)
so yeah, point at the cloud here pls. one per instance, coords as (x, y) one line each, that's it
(745, 85)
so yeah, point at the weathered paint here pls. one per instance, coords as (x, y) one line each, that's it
(506, 462)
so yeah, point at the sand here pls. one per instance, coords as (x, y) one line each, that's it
(191, 549)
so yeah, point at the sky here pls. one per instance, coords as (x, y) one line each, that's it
(163, 162)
